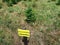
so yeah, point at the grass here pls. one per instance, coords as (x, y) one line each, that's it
(47, 21)
(5, 38)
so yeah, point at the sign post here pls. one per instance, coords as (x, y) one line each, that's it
(25, 34)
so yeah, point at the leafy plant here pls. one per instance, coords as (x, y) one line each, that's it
(11, 2)
(10, 9)
(0, 5)
(53, 0)
(5, 37)
(58, 3)
(30, 17)
(10, 22)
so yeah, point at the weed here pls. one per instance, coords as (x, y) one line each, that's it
(10, 9)
(11, 2)
(53, 0)
(0, 5)
(30, 15)
(58, 3)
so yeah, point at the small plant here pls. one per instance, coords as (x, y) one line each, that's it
(53, 0)
(58, 3)
(11, 2)
(59, 15)
(10, 9)
(17, 9)
(34, 5)
(30, 15)
(0, 5)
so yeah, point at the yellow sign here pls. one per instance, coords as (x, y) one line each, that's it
(25, 33)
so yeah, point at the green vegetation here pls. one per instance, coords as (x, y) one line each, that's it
(5, 39)
(9, 21)
(43, 14)
(53, 0)
(58, 3)
(30, 15)
(14, 9)
(0, 5)
(11, 2)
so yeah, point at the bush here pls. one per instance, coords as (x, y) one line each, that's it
(57, 24)
(11, 2)
(14, 9)
(58, 3)
(0, 5)
(30, 15)
(10, 9)
(53, 0)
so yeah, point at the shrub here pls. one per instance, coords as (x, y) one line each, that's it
(14, 9)
(0, 5)
(34, 5)
(11, 2)
(53, 0)
(59, 15)
(10, 9)
(17, 9)
(30, 15)
(58, 3)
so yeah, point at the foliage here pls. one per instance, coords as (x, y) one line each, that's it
(11, 2)
(58, 3)
(0, 5)
(14, 9)
(10, 9)
(5, 39)
(9, 21)
(53, 0)
(30, 15)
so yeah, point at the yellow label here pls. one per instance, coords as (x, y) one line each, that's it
(25, 33)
